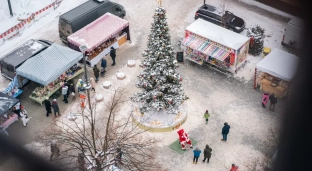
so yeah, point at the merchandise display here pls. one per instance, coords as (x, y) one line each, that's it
(6, 117)
(40, 93)
(204, 46)
(271, 84)
(99, 36)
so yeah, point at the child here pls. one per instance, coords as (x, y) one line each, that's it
(24, 116)
(206, 115)
(265, 99)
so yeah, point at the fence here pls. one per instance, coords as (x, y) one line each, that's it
(20, 27)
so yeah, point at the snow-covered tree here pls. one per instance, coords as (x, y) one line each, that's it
(256, 35)
(160, 83)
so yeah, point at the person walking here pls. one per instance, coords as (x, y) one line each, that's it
(273, 101)
(72, 91)
(206, 116)
(55, 107)
(47, 105)
(234, 168)
(64, 92)
(96, 72)
(196, 155)
(24, 116)
(265, 99)
(103, 65)
(207, 153)
(92, 84)
(54, 150)
(225, 131)
(113, 54)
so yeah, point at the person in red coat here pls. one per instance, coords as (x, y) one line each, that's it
(184, 139)
(234, 168)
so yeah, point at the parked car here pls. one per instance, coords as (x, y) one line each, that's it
(213, 15)
(84, 14)
(11, 61)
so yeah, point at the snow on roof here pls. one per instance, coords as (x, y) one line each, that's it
(279, 64)
(98, 31)
(218, 34)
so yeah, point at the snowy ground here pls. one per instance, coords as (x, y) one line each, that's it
(228, 99)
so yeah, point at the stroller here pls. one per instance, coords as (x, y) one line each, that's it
(103, 72)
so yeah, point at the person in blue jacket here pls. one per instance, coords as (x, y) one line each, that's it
(103, 65)
(225, 131)
(196, 155)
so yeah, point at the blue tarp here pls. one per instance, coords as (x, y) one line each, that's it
(49, 64)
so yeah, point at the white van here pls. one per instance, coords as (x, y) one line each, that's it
(293, 36)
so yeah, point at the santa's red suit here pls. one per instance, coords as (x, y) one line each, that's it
(184, 139)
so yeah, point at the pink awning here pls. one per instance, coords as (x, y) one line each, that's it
(97, 32)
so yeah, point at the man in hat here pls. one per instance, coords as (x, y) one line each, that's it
(225, 131)
(206, 116)
(47, 105)
(113, 54)
(64, 92)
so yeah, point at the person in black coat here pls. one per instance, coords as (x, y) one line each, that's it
(113, 54)
(47, 105)
(225, 131)
(273, 101)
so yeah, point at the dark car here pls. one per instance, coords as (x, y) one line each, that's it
(18, 56)
(213, 15)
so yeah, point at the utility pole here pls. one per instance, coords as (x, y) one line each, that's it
(10, 8)
(83, 49)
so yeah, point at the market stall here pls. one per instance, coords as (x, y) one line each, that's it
(211, 44)
(50, 68)
(99, 36)
(7, 116)
(275, 72)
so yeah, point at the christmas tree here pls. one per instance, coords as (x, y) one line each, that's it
(256, 35)
(160, 83)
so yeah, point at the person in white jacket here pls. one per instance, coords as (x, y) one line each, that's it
(24, 116)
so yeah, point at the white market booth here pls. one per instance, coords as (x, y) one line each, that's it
(99, 36)
(209, 43)
(275, 72)
(50, 68)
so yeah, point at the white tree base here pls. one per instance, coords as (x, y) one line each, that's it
(159, 121)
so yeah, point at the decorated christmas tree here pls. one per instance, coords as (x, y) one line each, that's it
(256, 35)
(160, 83)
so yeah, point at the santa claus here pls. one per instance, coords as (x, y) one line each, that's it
(184, 139)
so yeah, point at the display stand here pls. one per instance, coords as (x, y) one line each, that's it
(18, 93)
(208, 43)
(8, 122)
(116, 44)
(56, 88)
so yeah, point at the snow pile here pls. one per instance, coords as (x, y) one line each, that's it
(20, 8)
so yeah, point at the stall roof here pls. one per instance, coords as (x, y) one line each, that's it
(279, 64)
(98, 31)
(49, 65)
(218, 34)
(6, 103)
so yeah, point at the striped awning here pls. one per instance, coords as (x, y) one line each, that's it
(206, 47)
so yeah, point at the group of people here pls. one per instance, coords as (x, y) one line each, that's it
(207, 155)
(273, 100)
(96, 70)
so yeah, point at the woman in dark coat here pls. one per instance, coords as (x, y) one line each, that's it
(207, 153)
(72, 91)
(47, 105)
(96, 72)
(55, 107)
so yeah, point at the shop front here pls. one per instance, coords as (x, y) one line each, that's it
(207, 43)
(50, 69)
(274, 73)
(99, 36)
